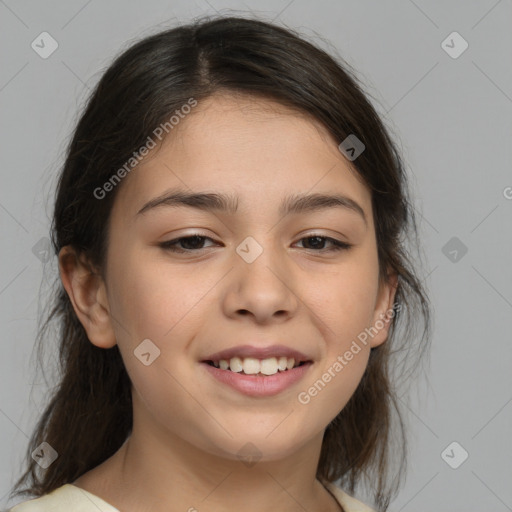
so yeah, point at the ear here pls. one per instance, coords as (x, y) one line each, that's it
(87, 293)
(383, 314)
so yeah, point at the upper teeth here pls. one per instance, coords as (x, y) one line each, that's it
(252, 366)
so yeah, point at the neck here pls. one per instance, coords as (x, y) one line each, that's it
(149, 474)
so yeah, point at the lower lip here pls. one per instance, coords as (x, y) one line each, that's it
(258, 386)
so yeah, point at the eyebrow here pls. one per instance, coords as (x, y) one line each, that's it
(294, 204)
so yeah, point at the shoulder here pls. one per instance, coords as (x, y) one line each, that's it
(67, 498)
(349, 503)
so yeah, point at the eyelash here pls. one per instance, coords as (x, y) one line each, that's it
(171, 245)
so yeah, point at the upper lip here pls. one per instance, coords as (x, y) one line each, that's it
(243, 351)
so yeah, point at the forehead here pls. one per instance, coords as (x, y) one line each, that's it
(253, 147)
(235, 120)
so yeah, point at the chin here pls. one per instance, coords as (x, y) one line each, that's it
(250, 449)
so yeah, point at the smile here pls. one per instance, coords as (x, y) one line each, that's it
(257, 383)
(253, 366)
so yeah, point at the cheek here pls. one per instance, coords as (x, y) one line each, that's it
(325, 397)
(151, 298)
(343, 365)
(153, 301)
(344, 300)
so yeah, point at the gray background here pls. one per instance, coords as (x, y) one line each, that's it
(452, 118)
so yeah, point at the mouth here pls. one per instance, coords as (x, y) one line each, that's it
(257, 371)
(256, 367)
(258, 378)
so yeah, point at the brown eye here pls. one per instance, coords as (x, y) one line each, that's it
(317, 243)
(185, 244)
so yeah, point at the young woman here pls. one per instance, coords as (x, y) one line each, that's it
(230, 225)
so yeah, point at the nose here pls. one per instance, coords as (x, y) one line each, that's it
(263, 291)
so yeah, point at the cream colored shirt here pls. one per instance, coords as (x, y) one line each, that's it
(70, 498)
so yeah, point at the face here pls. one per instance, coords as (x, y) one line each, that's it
(257, 276)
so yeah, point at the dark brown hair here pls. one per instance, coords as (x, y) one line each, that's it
(89, 414)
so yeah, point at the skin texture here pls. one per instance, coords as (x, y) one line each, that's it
(188, 428)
